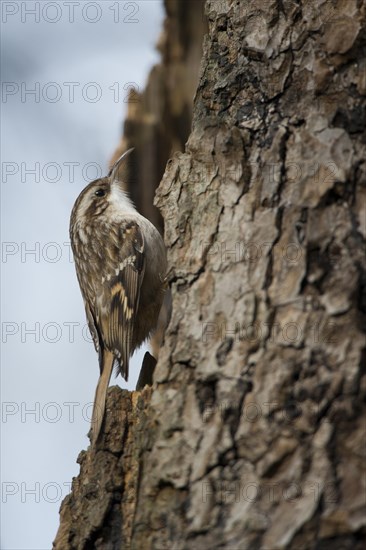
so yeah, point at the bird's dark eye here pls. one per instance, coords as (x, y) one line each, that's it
(100, 192)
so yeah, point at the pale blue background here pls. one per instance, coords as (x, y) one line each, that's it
(39, 449)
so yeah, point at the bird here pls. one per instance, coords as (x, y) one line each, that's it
(120, 261)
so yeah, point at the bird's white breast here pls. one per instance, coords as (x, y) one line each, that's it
(119, 202)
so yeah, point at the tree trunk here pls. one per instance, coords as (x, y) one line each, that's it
(253, 435)
(159, 118)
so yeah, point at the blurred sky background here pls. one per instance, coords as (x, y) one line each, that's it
(67, 134)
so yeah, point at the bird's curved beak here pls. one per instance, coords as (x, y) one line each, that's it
(113, 172)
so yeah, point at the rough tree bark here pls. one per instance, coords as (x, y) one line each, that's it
(253, 433)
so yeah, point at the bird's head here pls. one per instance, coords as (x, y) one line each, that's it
(104, 195)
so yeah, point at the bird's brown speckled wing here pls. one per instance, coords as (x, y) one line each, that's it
(110, 266)
(117, 304)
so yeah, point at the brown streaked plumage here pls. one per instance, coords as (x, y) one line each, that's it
(120, 263)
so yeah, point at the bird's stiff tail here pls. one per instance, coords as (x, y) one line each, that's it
(100, 396)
